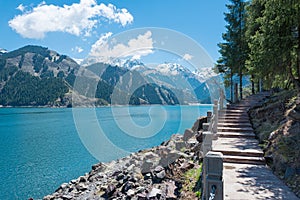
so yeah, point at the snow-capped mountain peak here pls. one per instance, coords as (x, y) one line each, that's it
(3, 50)
(203, 74)
(171, 69)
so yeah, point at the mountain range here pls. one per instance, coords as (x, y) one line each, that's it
(37, 76)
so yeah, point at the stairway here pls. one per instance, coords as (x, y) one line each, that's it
(236, 139)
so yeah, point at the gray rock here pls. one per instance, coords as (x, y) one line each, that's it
(82, 179)
(49, 197)
(73, 181)
(171, 187)
(146, 166)
(161, 174)
(110, 190)
(67, 197)
(154, 193)
(120, 176)
(81, 187)
(147, 176)
(179, 145)
(158, 168)
(62, 186)
(141, 196)
(130, 168)
(127, 186)
(140, 189)
(188, 133)
(130, 193)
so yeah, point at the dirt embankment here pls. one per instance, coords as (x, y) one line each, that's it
(277, 126)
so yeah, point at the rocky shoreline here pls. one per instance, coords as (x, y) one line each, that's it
(160, 172)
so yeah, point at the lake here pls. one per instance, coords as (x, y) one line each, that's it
(41, 148)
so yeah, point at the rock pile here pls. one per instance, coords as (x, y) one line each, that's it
(148, 174)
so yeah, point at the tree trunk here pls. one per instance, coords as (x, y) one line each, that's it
(298, 49)
(252, 84)
(296, 82)
(231, 86)
(241, 85)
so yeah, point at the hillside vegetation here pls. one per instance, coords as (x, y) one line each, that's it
(37, 76)
(277, 125)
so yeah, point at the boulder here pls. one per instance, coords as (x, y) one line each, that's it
(110, 190)
(49, 197)
(154, 193)
(159, 173)
(82, 179)
(81, 187)
(188, 133)
(127, 186)
(146, 166)
(130, 193)
(170, 193)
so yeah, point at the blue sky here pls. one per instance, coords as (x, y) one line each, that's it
(65, 26)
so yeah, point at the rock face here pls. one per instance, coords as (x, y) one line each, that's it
(277, 124)
(154, 173)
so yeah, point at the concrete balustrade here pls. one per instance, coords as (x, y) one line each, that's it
(212, 175)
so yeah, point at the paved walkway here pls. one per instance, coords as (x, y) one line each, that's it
(246, 176)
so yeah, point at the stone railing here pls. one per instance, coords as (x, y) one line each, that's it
(212, 173)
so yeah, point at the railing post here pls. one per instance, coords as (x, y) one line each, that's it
(213, 176)
(207, 142)
(221, 99)
(205, 127)
(209, 116)
(216, 115)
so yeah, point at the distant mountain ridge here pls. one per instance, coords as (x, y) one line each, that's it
(37, 76)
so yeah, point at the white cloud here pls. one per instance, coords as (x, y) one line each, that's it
(77, 19)
(187, 56)
(104, 50)
(77, 49)
(21, 8)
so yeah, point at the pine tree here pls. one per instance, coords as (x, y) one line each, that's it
(274, 41)
(234, 48)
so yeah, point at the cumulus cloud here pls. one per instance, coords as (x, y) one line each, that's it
(187, 56)
(77, 49)
(77, 19)
(135, 48)
(21, 8)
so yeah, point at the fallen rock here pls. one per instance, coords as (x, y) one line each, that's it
(110, 190)
(188, 133)
(130, 193)
(154, 193)
(171, 187)
(81, 187)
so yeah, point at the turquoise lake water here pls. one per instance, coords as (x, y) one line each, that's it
(41, 148)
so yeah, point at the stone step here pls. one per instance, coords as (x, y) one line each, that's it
(233, 121)
(234, 115)
(240, 153)
(234, 125)
(244, 160)
(230, 106)
(236, 135)
(232, 111)
(238, 146)
(235, 129)
(236, 118)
